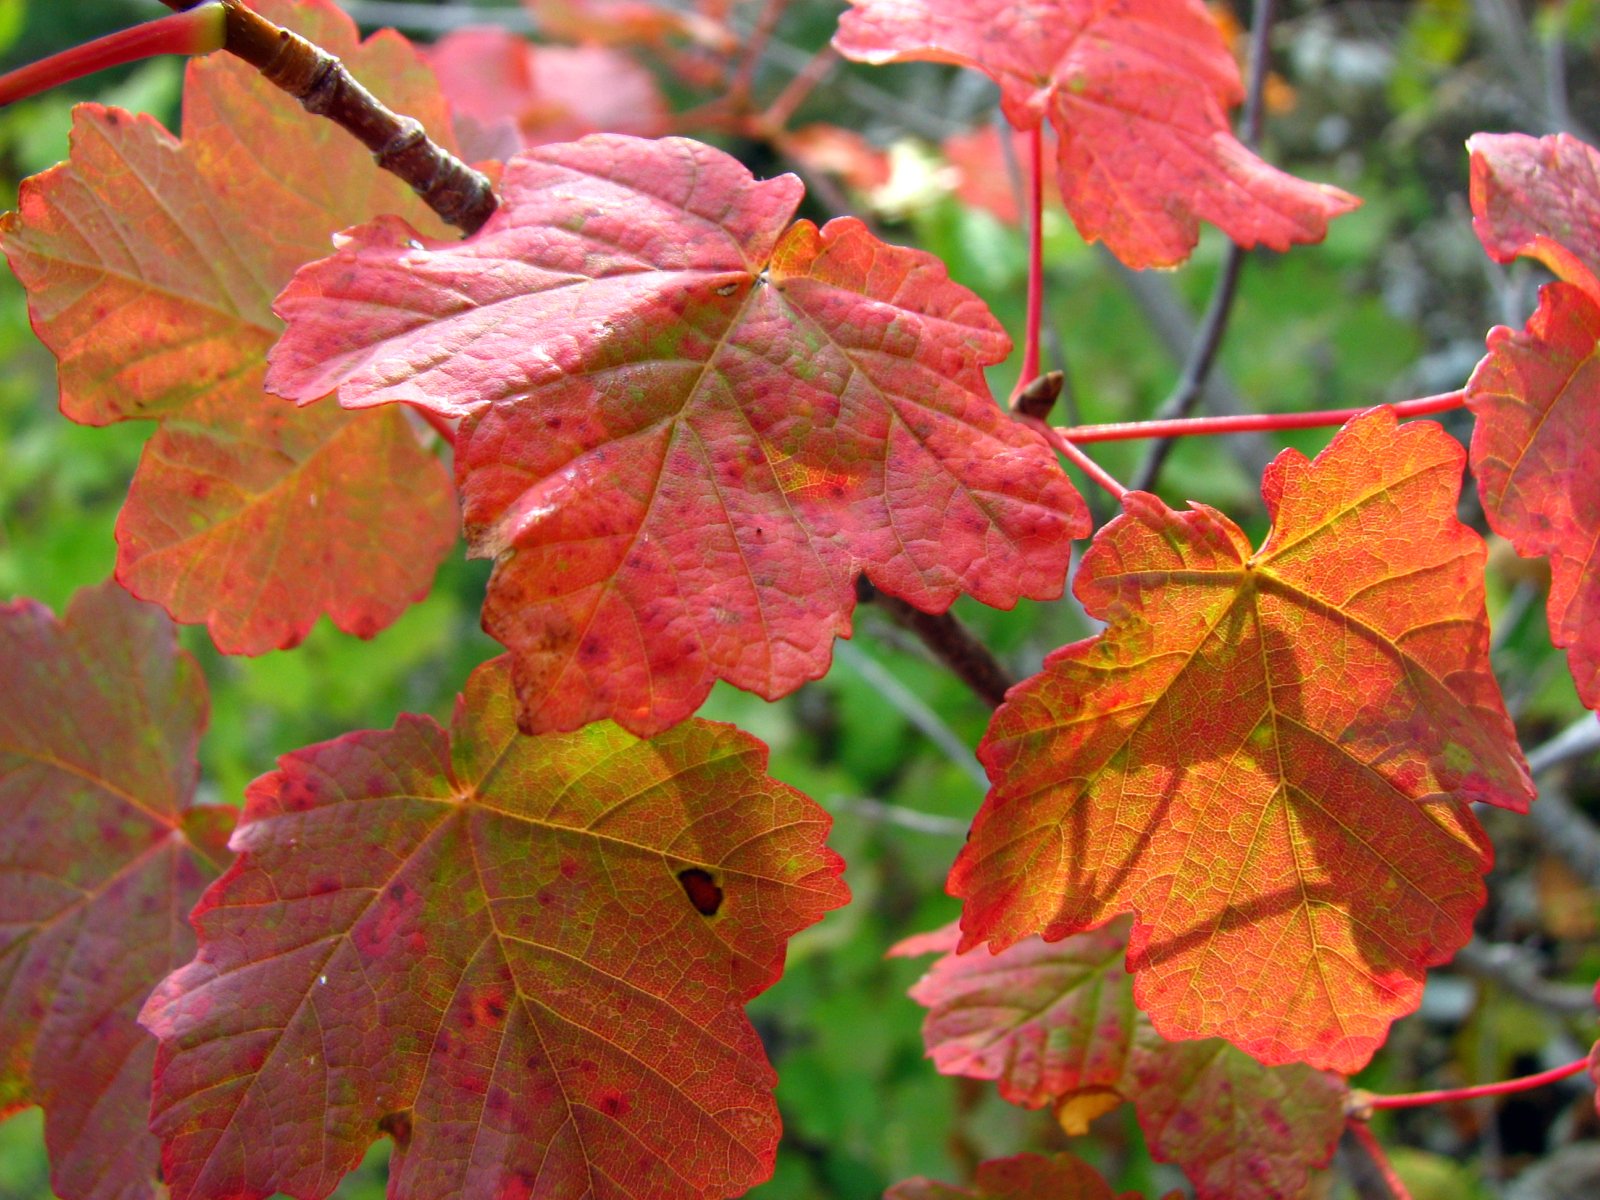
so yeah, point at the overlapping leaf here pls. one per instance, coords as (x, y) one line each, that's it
(522, 958)
(1536, 446)
(1594, 1057)
(508, 93)
(1138, 92)
(1041, 1018)
(1268, 758)
(103, 855)
(1055, 1022)
(1021, 1177)
(151, 265)
(691, 423)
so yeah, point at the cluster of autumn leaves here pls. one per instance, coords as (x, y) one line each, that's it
(520, 946)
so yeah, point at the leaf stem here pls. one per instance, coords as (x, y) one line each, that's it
(1030, 345)
(1367, 1101)
(460, 195)
(1362, 1133)
(198, 30)
(1062, 444)
(1252, 422)
(951, 642)
(443, 426)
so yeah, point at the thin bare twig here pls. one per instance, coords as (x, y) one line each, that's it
(1191, 385)
(951, 642)
(1559, 824)
(750, 55)
(1568, 833)
(1175, 326)
(910, 706)
(1577, 739)
(1514, 969)
(898, 814)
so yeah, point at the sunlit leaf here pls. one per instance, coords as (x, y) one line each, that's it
(691, 422)
(1138, 94)
(150, 265)
(1268, 757)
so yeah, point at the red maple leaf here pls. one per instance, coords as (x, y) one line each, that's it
(488, 946)
(691, 423)
(1536, 395)
(103, 856)
(1138, 92)
(1594, 1057)
(150, 266)
(1055, 1022)
(1021, 1177)
(1041, 1018)
(508, 94)
(987, 176)
(1269, 758)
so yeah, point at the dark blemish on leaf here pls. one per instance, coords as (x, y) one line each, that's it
(613, 1104)
(488, 1008)
(323, 886)
(702, 890)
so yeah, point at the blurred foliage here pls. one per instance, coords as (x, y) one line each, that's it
(1374, 96)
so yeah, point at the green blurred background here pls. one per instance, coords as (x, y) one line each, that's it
(1376, 97)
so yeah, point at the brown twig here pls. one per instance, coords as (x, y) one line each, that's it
(951, 642)
(777, 115)
(460, 195)
(1514, 969)
(755, 46)
(1191, 385)
(1561, 826)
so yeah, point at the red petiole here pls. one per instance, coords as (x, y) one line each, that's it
(1030, 345)
(194, 31)
(1366, 1101)
(1374, 1148)
(1075, 456)
(1252, 422)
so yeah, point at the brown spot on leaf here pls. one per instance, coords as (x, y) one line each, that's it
(488, 1008)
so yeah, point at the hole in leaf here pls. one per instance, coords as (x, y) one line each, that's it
(398, 1126)
(702, 890)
